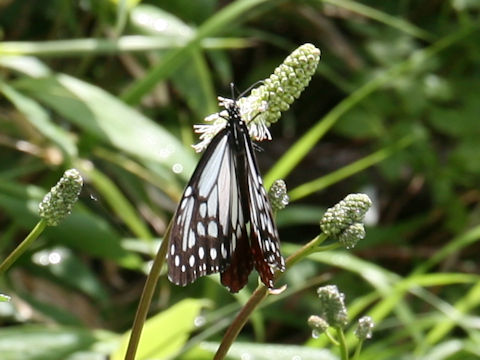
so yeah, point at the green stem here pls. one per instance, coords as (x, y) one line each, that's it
(299, 150)
(260, 293)
(23, 246)
(343, 344)
(235, 12)
(349, 170)
(305, 250)
(146, 297)
(331, 338)
(358, 350)
(240, 320)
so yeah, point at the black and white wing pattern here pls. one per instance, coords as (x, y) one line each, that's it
(224, 221)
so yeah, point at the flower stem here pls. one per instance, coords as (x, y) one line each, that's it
(146, 298)
(23, 246)
(260, 293)
(331, 338)
(358, 350)
(343, 344)
(307, 249)
(240, 320)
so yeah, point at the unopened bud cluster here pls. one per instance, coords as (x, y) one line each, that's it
(332, 306)
(265, 103)
(344, 220)
(278, 195)
(58, 203)
(318, 324)
(279, 91)
(333, 312)
(364, 328)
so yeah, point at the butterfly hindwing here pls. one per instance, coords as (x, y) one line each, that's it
(264, 239)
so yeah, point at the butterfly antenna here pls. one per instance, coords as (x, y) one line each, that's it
(254, 85)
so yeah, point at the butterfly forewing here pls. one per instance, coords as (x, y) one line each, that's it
(199, 242)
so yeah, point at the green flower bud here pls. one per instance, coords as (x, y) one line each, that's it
(265, 103)
(352, 235)
(332, 306)
(280, 90)
(5, 298)
(278, 195)
(317, 324)
(343, 221)
(364, 328)
(58, 203)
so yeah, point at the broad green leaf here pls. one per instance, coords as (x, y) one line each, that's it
(42, 343)
(39, 118)
(105, 117)
(152, 20)
(192, 79)
(242, 351)
(27, 65)
(81, 229)
(63, 266)
(164, 334)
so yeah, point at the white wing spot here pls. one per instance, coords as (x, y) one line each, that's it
(203, 210)
(200, 229)
(188, 191)
(233, 244)
(224, 251)
(183, 204)
(212, 229)
(270, 227)
(191, 239)
(201, 252)
(183, 268)
(191, 261)
(172, 249)
(211, 169)
(177, 260)
(213, 254)
(213, 203)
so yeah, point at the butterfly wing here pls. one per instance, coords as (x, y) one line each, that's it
(224, 222)
(200, 237)
(264, 239)
(235, 276)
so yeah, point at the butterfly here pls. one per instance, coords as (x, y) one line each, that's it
(224, 221)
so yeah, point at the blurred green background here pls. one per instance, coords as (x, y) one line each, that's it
(113, 88)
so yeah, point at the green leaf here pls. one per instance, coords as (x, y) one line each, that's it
(80, 230)
(103, 116)
(164, 334)
(192, 79)
(39, 118)
(152, 20)
(27, 65)
(41, 343)
(63, 266)
(261, 352)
